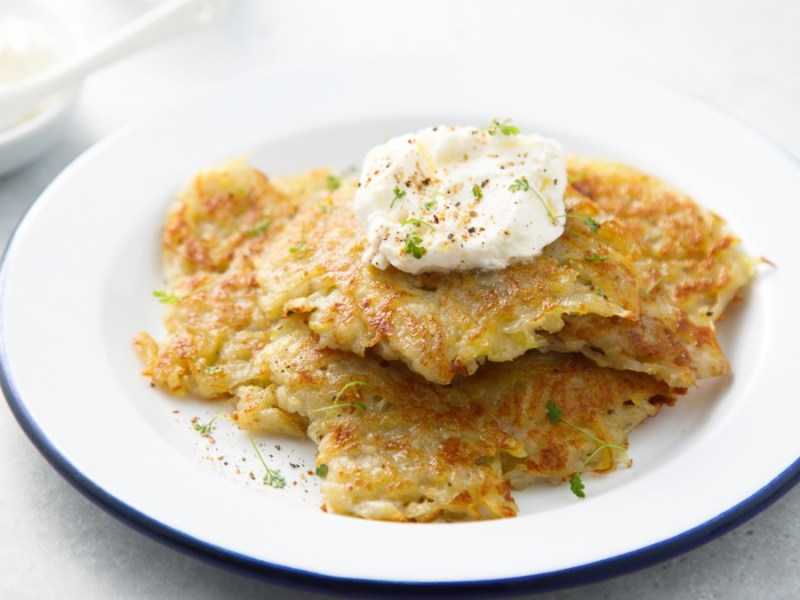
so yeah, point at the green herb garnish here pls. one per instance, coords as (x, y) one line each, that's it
(398, 195)
(477, 191)
(301, 246)
(258, 229)
(576, 485)
(520, 185)
(576, 177)
(505, 128)
(337, 404)
(556, 416)
(333, 183)
(165, 298)
(272, 477)
(592, 224)
(321, 470)
(484, 461)
(206, 428)
(413, 246)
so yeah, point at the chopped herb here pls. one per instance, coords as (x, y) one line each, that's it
(398, 195)
(430, 204)
(272, 477)
(601, 292)
(592, 224)
(477, 191)
(321, 470)
(520, 185)
(212, 369)
(595, 258)
(206, 428)
(333, 183)
(554, 413)
(336, 404)
(556, 416)
(505, 128)
(413, 246)
(301, 247)
(260, 228)
(484, 461)
(165, 298)
(576, 485)
(576, 177)
(417, 222)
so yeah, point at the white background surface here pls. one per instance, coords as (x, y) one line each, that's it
(741, 56)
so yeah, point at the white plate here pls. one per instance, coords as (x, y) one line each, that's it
(77, 281)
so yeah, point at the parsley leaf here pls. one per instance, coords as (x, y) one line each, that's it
(272, 477)
(556, 416)
(576, 485)
(520, 185)
(165, 298)
(554, 413)
(321, 470)
(206, 428)
(336, 404)
(261, 227)
(413, 246)
(333, 183)
(398, 195)
(505, 127)
(592, 224)
(477, 191)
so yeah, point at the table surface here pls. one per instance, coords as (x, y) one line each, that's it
(740, 56)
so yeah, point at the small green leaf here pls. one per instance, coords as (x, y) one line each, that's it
(398, 195)
(258, 229)
(321, 470)
(520, 185)
(336, 399)
(333, 183)
(554, 413)
(272, 477)
(477, 191)
(576, 485)
(165, 298)
(505, 127)
(413, 246)
(592, 224)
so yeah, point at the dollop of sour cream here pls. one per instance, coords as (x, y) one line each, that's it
(460, 198)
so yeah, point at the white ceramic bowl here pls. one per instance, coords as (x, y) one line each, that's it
(32, 137)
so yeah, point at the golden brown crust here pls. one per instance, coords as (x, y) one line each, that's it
(440, 324)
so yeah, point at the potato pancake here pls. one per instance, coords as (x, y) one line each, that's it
(441, 324)
(398, 447)
(689, 267)
(270, 304)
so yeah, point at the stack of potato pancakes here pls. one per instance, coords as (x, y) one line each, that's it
(431, 396)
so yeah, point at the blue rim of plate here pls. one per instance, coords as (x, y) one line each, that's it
(316, 582)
